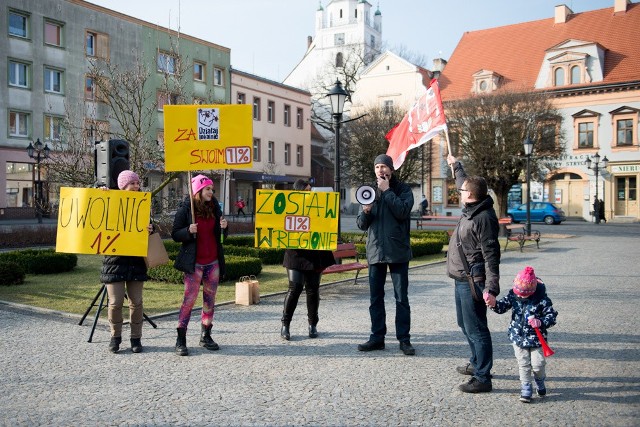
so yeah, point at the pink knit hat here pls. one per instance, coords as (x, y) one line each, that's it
(198, 182)
(126, 177)
(525, 282)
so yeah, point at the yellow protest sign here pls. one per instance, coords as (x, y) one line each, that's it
(95, 221)
(297, 219)
(198, 137)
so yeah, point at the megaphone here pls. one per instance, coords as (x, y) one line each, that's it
(365, 194)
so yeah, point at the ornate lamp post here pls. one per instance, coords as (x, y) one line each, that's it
(528, 150)
(596, 169)
(337, 96)
(38, 152)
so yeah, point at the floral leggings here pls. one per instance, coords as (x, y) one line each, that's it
(209, 275)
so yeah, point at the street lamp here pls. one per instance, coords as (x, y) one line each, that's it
(337, 96)
(528, 150)
(596, 169)
(38, 152)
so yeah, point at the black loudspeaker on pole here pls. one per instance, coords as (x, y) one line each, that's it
(111, 157)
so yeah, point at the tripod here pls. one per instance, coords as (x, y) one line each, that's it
(102, 294)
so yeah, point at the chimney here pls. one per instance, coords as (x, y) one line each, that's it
(309, 40)
(439, 64)
(562, 13)
(620, 5)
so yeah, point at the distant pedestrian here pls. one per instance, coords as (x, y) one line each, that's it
(530, 308)
(201, 258)
(424, 205)
(601, 210)
(240, 204)
(596, 210)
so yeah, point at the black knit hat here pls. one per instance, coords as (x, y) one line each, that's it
(383, 159)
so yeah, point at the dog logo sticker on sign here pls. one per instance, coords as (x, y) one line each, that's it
(208, 123)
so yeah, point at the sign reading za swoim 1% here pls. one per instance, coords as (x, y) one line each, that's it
(202, 137)
(103, 222)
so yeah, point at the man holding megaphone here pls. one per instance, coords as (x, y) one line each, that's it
(387, 222)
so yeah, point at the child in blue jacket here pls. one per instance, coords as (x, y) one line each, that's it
(530, 308)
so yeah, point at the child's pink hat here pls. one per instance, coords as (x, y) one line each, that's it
(525, 282)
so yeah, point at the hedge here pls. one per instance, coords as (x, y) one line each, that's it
(41, 261)
(235, 266)
(11, 273)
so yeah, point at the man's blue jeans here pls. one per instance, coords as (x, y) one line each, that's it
(472, 319)
(400, 279)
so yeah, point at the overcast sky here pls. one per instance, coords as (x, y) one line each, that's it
(269, 37)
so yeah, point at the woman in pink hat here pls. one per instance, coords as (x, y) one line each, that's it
(120, 272)
(201, 258)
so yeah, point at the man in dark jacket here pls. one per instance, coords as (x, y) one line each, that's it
(476, 237)
(387, 222)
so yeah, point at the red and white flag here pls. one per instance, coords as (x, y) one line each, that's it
(423, 121)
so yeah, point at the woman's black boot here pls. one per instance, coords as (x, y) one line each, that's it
(205, 339)
(181, 342)
(284, 332)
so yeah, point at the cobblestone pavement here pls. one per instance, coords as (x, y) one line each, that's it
(51, 375)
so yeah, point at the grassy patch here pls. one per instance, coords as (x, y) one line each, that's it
(73, 292)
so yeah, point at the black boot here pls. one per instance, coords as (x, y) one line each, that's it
(205, 338)
(136, 345)
(284, 332)
(181, 342)
(313, 332)
(114, 344)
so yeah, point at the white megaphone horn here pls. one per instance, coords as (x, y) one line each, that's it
(365, 194)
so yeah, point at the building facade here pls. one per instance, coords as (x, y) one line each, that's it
(48, 47)
(589, 64)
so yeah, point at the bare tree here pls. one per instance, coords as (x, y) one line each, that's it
(488, 132)
(364, 139)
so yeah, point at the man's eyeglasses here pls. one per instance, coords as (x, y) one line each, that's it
(460, 190)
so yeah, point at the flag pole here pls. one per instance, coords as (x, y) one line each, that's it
(193, 213)
(446, 135)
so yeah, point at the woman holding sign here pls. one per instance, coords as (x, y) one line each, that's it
(304, 269)
(199, 226)
(119, 272)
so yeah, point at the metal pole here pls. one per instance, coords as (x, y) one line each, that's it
(38, 190)
(336, 118)
(528, 225)
(597, 204)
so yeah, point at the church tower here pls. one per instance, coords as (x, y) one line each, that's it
(343, 28)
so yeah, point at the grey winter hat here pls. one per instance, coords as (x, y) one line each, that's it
(383, 159)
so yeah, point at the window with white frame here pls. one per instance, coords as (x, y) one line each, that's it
(299, 155)
(624, 132)
(625, 126)
(199, 71)
(558, 77)
(256, 108)
(585, 134)
(299, 118)
(91, 40)
(18, 24)
(256, 149)
(271, 152)
(271, 106)
(19, 123)
(53, 33)
(287, 153)
(218, 77)
(585, 125)
(387, 106)
(53, 82)
(18, 74)
(166, 63)
(166, 98)
(242, 98)
(287, 115)
(338, 39)
(52, 128)
(96, 130)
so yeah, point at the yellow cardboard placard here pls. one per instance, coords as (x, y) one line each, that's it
(95, 221)
(297, 219)
(202, 137)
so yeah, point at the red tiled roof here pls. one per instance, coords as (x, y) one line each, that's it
(517, 51)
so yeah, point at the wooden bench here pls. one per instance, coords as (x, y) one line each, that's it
(346, 250)
(436, 221)
(517, 233)
(505, 221)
